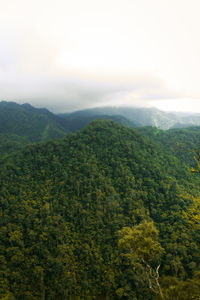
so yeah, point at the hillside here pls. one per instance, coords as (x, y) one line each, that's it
(140, 116)
(75, 122)
(24, 124)
(69, 209)
(24, 120)
(183, 143)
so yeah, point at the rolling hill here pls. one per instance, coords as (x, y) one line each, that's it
(71, 207)
(140, 116)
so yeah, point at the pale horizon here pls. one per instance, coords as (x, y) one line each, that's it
(67, 56)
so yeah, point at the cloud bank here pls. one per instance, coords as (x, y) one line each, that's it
(69, 55)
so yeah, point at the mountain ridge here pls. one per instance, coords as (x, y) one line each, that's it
(63, 204)
(140, 116)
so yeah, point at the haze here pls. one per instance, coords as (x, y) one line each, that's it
(69, 55)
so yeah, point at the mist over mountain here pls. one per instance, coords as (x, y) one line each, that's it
(99, 166)
(19, 119)
(24, 124)
(99, 213)
(141, 116)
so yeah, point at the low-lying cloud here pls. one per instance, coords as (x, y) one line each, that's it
(73, 55)
(66, 94)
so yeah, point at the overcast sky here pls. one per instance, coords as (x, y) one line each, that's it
(73, 54)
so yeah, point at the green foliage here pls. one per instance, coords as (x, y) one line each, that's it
(23, 124)
(182, 290)
(74, 123)
(140, 245)
(141, 241)
(66, 205)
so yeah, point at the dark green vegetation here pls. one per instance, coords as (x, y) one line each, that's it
(75, 122)
(24, 124)
(183, 143)
(106, 213)
(27, 121)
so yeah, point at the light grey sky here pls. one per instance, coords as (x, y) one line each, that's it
(68, 55)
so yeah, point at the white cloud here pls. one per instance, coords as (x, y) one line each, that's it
(92, 52)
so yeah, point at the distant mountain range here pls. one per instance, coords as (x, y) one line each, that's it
(39, 124)
(140, 116)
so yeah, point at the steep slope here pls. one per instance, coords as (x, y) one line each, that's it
(62, 204)
(23, 124)
(75, 123)
(139, 116)
(23, 121)
(183, 143)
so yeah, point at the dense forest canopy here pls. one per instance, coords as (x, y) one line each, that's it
(108, 212)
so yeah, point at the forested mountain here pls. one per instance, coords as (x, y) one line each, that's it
(105, 213)
(27, 121)
(140, 116)
(24, 124)
(74, 123)
(183, 143)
